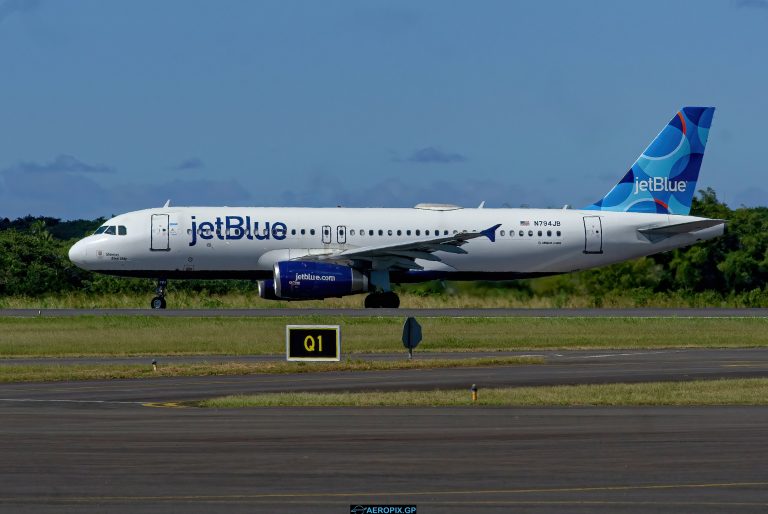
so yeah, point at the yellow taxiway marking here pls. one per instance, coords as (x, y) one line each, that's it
(547, 490)
(165, 405)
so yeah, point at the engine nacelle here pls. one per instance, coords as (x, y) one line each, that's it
(304, 280)
(267, 290)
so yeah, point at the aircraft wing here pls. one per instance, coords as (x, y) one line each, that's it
(404, 255)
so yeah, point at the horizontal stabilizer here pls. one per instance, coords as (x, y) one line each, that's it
(680, 228)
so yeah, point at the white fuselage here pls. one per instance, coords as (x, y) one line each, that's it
(197, 242)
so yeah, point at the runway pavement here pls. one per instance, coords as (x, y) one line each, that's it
(111, 446)
(132, 459)
(429, 313)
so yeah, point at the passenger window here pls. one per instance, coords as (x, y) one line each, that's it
(110, 230)
(399, 232)
(408, 232)
(502, 233)
(549, 233)
(311, 232)
(370, 232)
(455, 232)
(352, 232)
(539, 233)
(121, 230)
(558, 233)
(522, 233)
(389, 232)
(418, 232)
(530, 233)
(293, 231)
(445, 232)
(381, 232)
(426, 232)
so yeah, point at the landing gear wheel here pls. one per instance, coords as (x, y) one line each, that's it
(158, 302)
(388, 300)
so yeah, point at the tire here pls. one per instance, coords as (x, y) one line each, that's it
(373, 301)
(390, 300)
(158, 302)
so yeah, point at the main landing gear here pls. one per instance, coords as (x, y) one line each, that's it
(387, 300)
(158, 302)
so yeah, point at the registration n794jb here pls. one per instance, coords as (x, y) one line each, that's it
(315, 253)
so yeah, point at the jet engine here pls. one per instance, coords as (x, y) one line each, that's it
(306, 280)
(267, 290)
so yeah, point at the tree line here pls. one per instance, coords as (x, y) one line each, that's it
(732, 268)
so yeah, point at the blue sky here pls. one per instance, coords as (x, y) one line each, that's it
(109, 106)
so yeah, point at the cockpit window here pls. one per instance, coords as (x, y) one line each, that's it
(110, 230)
(121, 230)
(100, 230)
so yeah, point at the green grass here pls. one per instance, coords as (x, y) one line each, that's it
(57, 372)
(126, 336)
(753, 391)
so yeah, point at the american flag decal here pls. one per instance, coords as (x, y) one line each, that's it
(525, 223)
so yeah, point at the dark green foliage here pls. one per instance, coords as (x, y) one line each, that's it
(729, 270)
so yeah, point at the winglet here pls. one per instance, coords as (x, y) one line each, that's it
(490, 233)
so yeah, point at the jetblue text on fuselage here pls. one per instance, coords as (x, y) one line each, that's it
(237, 227)
(660, 184)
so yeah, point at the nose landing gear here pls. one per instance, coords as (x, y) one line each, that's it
(158, 302)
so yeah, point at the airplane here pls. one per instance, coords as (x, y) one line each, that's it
(317, 253)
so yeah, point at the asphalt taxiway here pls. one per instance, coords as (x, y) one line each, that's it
(561, 367)
(129, 446)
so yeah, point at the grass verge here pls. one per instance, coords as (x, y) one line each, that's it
(751, 391)
(49, 373)
(126, 336)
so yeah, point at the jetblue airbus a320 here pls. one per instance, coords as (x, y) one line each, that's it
(306, 253)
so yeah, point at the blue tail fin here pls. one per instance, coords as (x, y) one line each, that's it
(663, 178)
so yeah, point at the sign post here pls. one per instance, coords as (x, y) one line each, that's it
(313, 342)
(411, 335)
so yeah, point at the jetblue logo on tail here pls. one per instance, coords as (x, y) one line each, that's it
(660, 184)
(663, 179)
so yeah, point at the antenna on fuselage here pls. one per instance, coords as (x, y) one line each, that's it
(167, 203)
(482, 204)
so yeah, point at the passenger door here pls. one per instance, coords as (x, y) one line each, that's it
(341, 234)
(159, 236)
(593, 234)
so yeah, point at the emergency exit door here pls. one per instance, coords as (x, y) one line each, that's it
(593, 234)
(341, 234)
(326, 234)
(159, 234)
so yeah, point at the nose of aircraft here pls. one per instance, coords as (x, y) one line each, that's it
(77, 253)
